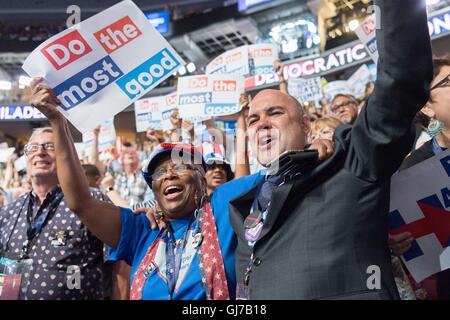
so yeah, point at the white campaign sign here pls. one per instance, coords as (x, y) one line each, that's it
(106, 137)
(20, 164)
(334, 88)
(209, 95)
(366, 32)
(148, 113)
(262, 56)
(5, 154)
(305, 90)
(103, 64)
(358, 81)
(232, 61)
(170, 104)
(420, 202)
(80, 147)
(247, 60)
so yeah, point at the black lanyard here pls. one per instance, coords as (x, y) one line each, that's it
(45, 211)
(255, 206)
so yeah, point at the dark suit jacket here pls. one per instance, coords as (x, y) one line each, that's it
(327, 228)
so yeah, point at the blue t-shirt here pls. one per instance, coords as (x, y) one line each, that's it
(137, 236)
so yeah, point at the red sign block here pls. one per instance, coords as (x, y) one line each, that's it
(117, 34)
(369, 26)
(198, 82)
(65, 50)
(261, 53)
(436, 221)
(224, 85)
(171, 99)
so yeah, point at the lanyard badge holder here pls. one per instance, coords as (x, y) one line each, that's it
(174, 254)
(12, 272)
(253, 225)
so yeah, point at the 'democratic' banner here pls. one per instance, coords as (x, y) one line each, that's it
(420, 204)
(103, 64)
(148, 113)
(209, 95)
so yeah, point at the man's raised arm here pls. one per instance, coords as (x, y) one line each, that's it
(383, 132)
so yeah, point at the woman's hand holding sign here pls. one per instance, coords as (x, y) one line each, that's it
(44, 99)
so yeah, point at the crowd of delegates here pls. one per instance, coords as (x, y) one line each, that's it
(220, 228)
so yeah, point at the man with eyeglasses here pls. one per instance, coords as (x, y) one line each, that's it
(345, 108)
(39, 227)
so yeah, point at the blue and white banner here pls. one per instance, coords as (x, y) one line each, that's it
(103, 64)
(420, 202)
(148, 113)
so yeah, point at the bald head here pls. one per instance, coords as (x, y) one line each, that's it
(282, 97)
(276, 123)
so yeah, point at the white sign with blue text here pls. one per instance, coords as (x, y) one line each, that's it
(103, 64)
(147, 112)
(106, 137)
(209, 95)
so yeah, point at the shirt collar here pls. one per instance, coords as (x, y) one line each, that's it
(49, 195)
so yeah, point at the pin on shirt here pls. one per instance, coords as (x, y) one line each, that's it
(59, 239)
(197, 240)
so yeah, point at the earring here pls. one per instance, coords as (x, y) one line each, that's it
(434, 127)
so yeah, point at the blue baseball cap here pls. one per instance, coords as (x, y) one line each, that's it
(179, 150)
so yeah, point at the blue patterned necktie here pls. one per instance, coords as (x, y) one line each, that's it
(266, 191)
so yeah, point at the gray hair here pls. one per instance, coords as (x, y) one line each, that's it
(38, 131)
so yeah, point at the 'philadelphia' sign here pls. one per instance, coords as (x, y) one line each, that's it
(12, 113)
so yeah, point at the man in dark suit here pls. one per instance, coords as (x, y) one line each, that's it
(320, 231)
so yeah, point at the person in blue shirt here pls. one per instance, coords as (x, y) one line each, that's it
(181, 197)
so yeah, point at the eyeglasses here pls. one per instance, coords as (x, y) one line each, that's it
(336, 108)
(30, 148)
(441, 83)
(179, 168)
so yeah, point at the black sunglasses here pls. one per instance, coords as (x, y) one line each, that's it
(442, 82)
